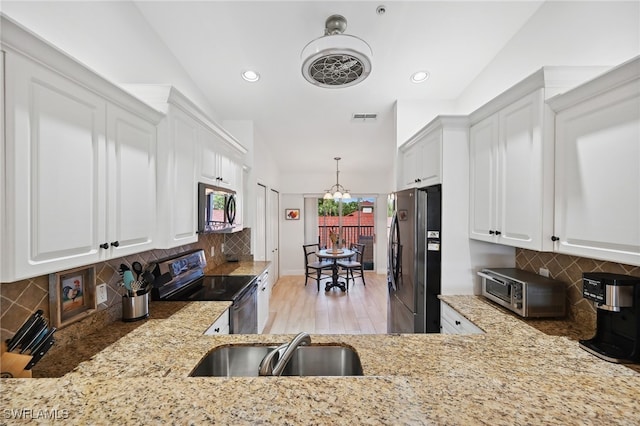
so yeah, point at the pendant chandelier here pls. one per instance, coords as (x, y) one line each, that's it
(337, 191)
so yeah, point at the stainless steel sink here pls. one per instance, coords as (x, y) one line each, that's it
(244, 360)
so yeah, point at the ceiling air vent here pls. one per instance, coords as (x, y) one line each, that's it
(364, 118)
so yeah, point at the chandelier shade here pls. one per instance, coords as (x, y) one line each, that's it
(337, 191)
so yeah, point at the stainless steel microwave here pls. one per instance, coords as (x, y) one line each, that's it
(525, 293)
(216, 210)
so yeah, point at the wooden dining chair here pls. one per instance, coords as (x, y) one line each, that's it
(313, 267)
(354, 263)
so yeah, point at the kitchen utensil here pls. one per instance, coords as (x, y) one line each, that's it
(23, 330)
(42, 348)
(122, 269)
(148, 277)
(127, 278)
(137, 268)
(136, 285)
(35, 341)
(32, 337)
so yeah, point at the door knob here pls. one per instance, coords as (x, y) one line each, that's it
(104, 246)
(115, 244)
(554, 238)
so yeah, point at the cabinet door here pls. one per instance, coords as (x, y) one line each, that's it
(55, 152)
(228, 172)
(520, 165)
(216, 167)
(597, 197)
(131, 185)
(184, 132)
(208, 156)
(454, 323)
(430, 159)
(483, 166)
(408, 164)
(264, 293)
(220, 326)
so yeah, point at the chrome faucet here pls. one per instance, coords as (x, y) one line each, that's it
(281, 355)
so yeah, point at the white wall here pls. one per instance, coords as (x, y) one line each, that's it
(412, 115)
(292, 234)
(578, 33)
(110, 37)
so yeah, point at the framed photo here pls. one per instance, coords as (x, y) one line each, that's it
(292, 214)
(72, 295)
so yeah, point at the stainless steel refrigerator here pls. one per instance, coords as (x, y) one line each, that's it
(414, 254)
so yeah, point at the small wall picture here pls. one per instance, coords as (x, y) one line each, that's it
(72, 295)
(292, 214)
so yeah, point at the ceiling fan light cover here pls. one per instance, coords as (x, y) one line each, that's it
(335, 61)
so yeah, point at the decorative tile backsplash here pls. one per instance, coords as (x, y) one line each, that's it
(569, 269)
(238, 243)
(20, 299)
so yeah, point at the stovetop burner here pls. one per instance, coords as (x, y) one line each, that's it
(221, 287)
(181, 277)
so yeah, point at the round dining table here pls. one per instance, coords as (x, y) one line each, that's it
(335, 255)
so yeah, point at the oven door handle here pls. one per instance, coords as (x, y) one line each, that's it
(491, 278)
(247, 294)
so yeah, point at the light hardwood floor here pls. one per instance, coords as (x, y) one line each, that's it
(294, 308)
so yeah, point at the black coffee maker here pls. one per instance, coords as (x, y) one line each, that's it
(617, 300)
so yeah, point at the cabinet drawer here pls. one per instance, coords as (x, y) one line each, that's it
(220, 326)
(454, 323)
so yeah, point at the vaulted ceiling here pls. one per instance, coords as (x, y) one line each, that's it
(306, 126)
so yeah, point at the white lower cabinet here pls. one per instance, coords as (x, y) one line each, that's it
(220, 326)
(264, 294)
(80, 170)
(452, 322)
(597, 187)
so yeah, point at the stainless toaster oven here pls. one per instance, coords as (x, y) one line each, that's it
(525, 293)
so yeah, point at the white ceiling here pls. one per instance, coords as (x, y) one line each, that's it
(306, 126)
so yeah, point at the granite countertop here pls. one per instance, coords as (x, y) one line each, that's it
(243, 267)
(511, 374)
(61, 360)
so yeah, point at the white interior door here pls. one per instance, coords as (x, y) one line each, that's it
(274, 234)
(260, 234)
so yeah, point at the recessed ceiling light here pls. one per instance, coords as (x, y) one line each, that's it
(250, 76)
(419, 76)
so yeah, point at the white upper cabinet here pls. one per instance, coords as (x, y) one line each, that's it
(177, 188)
(80, 163)
(511, 201)
(511, 162)
(55, 172)
(216, 165)
(131, 184)
(421, 160)
(191, 149)
(597, 188)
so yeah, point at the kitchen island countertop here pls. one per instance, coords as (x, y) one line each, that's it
(511, 374)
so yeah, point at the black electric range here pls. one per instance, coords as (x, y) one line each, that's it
(214, 287)
(182, 278)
